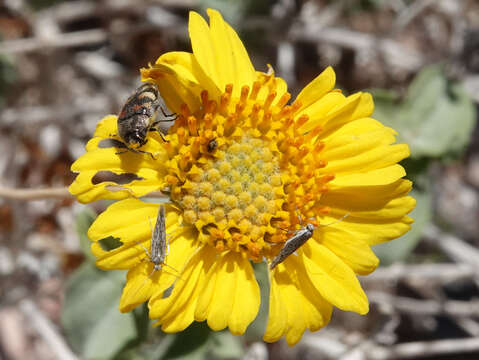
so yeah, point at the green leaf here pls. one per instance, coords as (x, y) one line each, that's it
(83, 222)
(233, 11)
(400, 248)
(436, 118)
(224, 345)
(8, 76)
(93, 324)
(197, 342)
(256, 330)
(191, 343)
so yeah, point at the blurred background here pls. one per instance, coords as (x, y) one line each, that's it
(66, 64)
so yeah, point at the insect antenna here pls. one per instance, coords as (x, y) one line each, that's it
(336, 221)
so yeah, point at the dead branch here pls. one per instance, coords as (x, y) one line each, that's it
(46, 330)
(77, 38)
(429, 272)
(426, 307)
(394, 53)
(34, 194)
(416, 350)
(456, 248)
(54, 193)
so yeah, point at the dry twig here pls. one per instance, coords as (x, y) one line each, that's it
(428, 272)
(77, 38)
(416, 350)
(394, 53)
(426, 307)
(46, 330)
(456, 248)
(34, 194)
(54, 193)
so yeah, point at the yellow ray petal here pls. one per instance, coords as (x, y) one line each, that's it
(317, 88)
(128, 162)
(98, 158)
(220, 52)
(295, 303)
(356, 106)
(371, 231)
(374, 202)
(151, 175)
(117, 222)
(353, 129)
(235, 66)
(333, 279)
(176, 312)
(278, 311)
(231, 296)
(377, 177)
(106, 127)
(318, 110)
(355, 252)
(381, 193)
(204, 48)
(85, 192)
(271, 83)
(144, 283)
(180, 80)
(374, 158)
(345, 145)
(339, 114)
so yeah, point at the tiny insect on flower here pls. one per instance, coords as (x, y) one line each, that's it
(212, 145)
(138, 117)
(292, 244)
(159, 243)
(297, 240)
(159, 247)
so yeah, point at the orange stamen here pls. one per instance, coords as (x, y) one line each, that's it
(255, 91)
(192, 126)
(301, 121)
(269, 99)
(283, 100)
(244, 93)
(204, 97)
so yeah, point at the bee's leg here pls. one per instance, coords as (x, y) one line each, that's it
(136, 151)
(159, 131)
(168, 115)
(156, 122)
(144, 152)
(163, 136)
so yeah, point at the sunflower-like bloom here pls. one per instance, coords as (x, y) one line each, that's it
(244, 167)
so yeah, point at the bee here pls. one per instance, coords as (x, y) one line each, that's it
(138, 117)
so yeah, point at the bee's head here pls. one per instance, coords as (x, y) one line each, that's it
(136, 137)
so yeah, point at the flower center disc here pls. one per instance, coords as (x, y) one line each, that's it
(233, 197)
(243, 172)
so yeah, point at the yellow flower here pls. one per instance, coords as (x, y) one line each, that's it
(243, 167)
